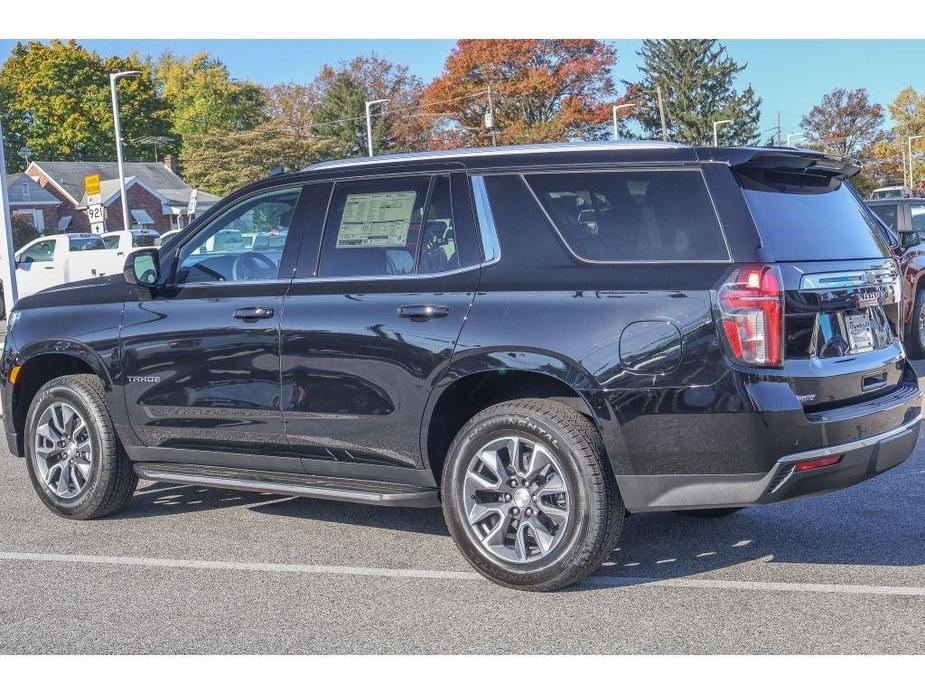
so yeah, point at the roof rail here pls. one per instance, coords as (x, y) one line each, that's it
(495, 151)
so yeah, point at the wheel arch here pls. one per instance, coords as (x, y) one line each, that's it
(477, 381)
(41, 363)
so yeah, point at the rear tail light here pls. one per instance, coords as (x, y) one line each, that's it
(751, 304)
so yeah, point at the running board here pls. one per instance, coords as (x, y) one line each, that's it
(292, 484)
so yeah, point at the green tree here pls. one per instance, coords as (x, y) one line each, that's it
(203, 97)
(223, 161)
(340, 115)
(55, 99)
(697, 79)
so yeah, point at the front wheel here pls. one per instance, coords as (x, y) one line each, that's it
(76, 463)
(528, 496)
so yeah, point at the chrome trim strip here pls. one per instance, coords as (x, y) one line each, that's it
(496, 151)
(851, 445)
(867, 277)
(491, 248)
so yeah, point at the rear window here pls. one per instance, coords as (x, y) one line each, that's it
(88, 243)
(632, 215)
(804, 216)
(144, 240)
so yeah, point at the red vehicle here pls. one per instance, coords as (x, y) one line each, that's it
(903, 235)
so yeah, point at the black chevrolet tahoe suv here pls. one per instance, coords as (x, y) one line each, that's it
(539, 338)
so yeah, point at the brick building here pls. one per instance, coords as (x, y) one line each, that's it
(30, 202)
(157, 196)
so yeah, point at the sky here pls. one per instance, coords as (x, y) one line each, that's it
(789, 75)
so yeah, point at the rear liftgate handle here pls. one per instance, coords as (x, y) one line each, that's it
(253, 313)
(422, 312)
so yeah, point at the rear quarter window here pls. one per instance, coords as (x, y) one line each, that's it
(628, 216)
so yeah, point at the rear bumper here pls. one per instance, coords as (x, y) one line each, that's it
(861, 460)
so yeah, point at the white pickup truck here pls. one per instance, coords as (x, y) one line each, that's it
(61, 258)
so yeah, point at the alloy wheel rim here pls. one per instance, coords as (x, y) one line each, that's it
(517, 501)
(63, 450)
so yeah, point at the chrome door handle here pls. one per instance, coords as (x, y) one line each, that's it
(253, 313)
(421, 312)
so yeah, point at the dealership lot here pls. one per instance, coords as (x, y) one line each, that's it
(188, 569)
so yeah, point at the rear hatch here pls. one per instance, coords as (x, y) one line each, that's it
(840, 287)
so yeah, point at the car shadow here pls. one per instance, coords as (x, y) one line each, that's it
(166, 498)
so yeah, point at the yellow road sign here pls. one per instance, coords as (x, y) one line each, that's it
(92, 184)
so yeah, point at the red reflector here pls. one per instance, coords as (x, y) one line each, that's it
(817, 463)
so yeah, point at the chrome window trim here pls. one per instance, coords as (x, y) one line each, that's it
(633, 169)
(380, 278)
(491, 247)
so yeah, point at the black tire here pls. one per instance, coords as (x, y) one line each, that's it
(595, 506)
(111, 481)
(915, 345)
(710, 512)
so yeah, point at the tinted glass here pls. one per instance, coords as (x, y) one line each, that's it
(810, 217)
(87, 243)
(218, 252)
(627, 216)
(438, 238)
(888, 214)
(143, 240)
(111, 242)
(373, 227)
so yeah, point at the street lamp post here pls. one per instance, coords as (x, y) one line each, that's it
(791, 136)
(716, 125)
(909, 149)
(115, 117)
(369, 123)
(618, 107)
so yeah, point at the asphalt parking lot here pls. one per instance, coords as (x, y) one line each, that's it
(194, 570)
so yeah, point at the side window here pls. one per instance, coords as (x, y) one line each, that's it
(917, 211)
(111, 242)
(632, 215)
(438, 237)
(42, 252)
(373, 227)
(888, 214)
(218, 253)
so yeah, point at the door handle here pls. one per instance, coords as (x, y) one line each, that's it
(253, 313)
(421, 312)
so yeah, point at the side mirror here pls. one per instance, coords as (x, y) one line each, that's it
(143, 268)
(909, 238)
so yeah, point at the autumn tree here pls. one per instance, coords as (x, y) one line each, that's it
(908, 112)
(291, 105)
(697, 78)
(55, 99)
(542, 90)
(845, 122)
(339, 115)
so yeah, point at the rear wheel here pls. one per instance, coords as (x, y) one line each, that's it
(76, 463)
(528, 497)
(915, 344)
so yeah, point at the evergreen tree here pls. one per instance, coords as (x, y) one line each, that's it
(696, 77)
(340, 117)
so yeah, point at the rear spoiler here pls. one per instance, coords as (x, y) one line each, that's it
(795, 160)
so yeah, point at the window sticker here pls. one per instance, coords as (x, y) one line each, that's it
(376, 220)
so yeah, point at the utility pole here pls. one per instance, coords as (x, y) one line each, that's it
(115, 117)
(8, 271)
(716, 125)
(661, 112)
(490, 119)
(778, 128)
(369, 123)
(909, 147)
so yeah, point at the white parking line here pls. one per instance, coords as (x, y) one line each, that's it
(597, 580)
